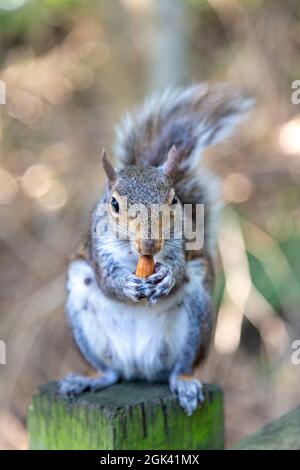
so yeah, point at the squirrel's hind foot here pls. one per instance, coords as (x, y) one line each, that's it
(75, 384)
(189, 392)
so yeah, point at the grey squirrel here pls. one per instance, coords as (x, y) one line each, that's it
(158, 328)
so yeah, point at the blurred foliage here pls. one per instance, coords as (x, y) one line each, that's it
(71, 68)
(37, 14)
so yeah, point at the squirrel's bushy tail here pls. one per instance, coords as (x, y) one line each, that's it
(191, 119)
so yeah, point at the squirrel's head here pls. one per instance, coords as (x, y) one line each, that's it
(142, 202)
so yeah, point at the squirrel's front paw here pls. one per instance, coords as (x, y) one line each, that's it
(189, 391)
(136, 288)
(162, 282)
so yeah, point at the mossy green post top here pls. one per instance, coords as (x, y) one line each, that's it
(127, 416)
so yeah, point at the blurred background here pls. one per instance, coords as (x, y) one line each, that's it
(71, 68)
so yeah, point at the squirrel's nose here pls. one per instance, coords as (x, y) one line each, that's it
(149, 247)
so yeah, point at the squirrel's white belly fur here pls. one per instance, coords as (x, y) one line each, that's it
(133, 339)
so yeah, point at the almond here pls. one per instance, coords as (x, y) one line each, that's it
(145, 266)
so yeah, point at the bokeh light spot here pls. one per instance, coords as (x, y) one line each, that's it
(11, 4)
(237, 188)
(55, 198)
(289, 136)
(8, 187)
(37, 180)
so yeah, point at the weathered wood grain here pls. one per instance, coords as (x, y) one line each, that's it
(125, 416)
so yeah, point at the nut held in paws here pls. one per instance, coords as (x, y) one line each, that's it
(145, 266)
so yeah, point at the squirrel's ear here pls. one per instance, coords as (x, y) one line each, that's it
(108, 168)
(170, 167)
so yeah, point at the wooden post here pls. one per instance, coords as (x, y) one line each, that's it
(127, 416)
(282, 434)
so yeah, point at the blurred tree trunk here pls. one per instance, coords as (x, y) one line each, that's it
(166, 44)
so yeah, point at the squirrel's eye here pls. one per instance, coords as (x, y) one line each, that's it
(115, 205)
(174, 200)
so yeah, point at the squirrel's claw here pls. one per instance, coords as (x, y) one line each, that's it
(160, 271)
(162, 281)
(136, 288)
(72, 385)
(75, 384)
(189, 392)
(153, 288)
